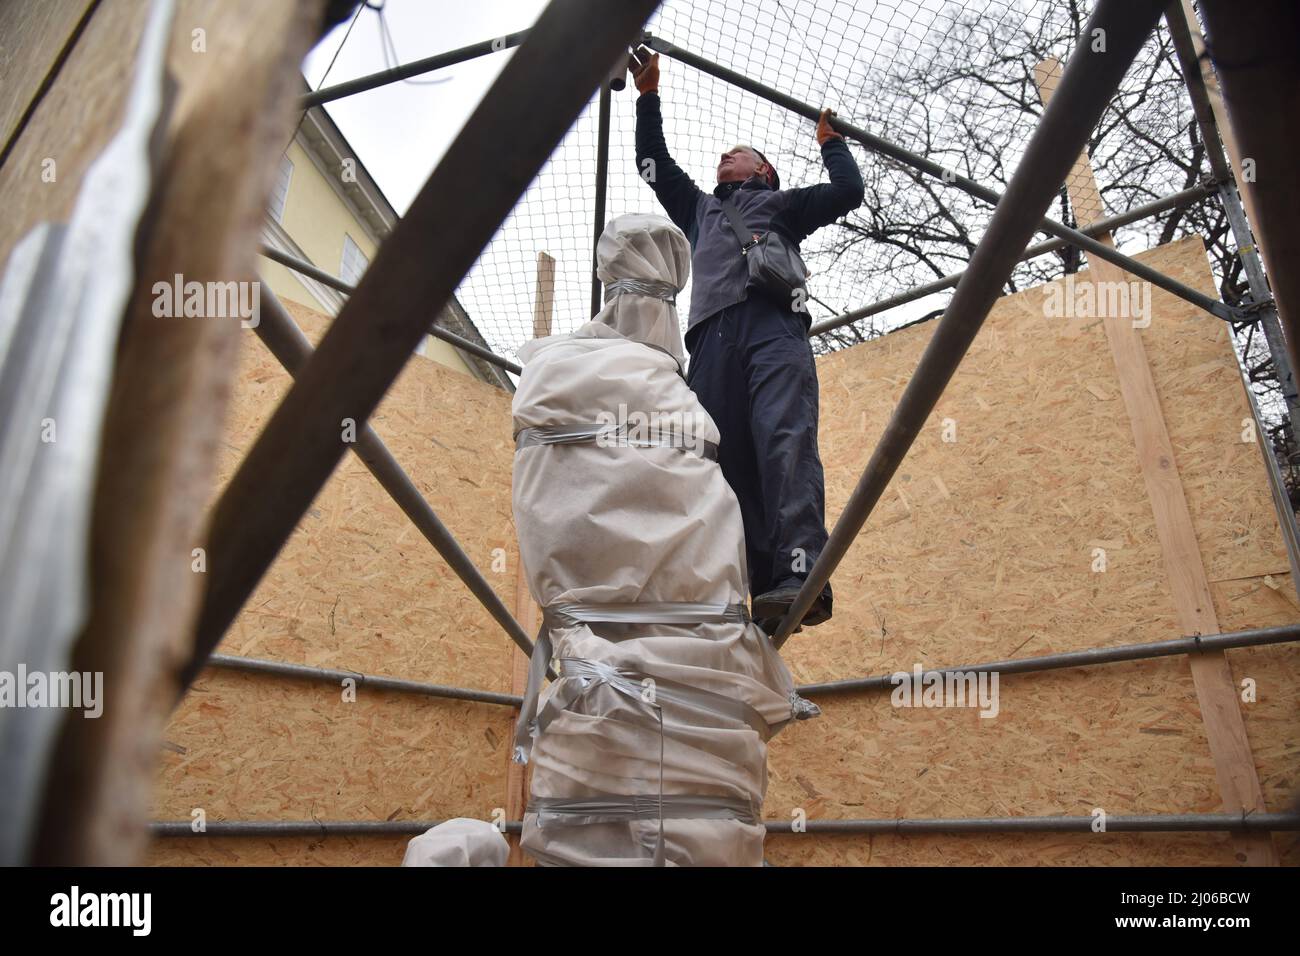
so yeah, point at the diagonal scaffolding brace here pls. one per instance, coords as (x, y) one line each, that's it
(290, 346)
(416, 271)
(437, 331)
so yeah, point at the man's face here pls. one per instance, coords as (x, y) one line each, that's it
(738, 164)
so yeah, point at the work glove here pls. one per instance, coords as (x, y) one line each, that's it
(644, 66)
(824, 131)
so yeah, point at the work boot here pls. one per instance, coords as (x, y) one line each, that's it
(777, 602)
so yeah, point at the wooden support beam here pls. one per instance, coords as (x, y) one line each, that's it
(518, 776)
(415, 273)
(1225, 729)
(526, 611)
(1245, 186)
(171, 384)
(1257, 64)
(544, 296)
(38, 36)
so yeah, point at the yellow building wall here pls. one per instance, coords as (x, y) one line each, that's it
(317, 218)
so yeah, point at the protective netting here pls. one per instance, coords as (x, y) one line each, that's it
(952, 81)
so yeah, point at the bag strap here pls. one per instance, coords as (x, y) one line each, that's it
(747, 238)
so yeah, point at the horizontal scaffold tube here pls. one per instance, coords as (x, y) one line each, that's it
(337, 284)
(255, 665)
(407, 70)
(1084, 658)
(1154, 208)
(1117, 823)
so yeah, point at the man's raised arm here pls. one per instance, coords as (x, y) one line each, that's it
(815, 206)
(675, 190)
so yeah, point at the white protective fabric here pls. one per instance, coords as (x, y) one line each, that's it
(640, 524)
(459, 842)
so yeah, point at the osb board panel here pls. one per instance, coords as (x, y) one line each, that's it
(1011, 849)
(279, 851)
(992, 559)
(983, 549)
(357, 587)
(83, 108)
(251, 747)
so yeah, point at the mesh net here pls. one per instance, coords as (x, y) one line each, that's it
(953, 82)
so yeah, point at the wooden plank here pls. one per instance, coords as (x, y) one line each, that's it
(544, 296)
(518, 776)
(526, 611)
(1216, 692)
(170, 388)
(1228, 137)
(36, 36)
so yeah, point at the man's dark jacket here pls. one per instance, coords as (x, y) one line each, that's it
(719, 274)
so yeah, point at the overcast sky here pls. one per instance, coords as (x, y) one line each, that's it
(400, 131)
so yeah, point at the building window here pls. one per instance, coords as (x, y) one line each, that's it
(354, 261)
(280, 191)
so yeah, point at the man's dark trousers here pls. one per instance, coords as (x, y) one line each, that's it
(752, 369)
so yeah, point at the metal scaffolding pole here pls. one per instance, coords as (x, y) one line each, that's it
(1117, 823)
(602, 179)
(1136, 214)
(1190, 65)
(1073, 236)
(334, 282)
(1084, 658)
(290, 346)
(416, 271)
(1257, 63)
(256, 665)
(1185, 47)
(408, 70)
(1023, 665)
(304, 828)
(1089, 80)
(1139, 823)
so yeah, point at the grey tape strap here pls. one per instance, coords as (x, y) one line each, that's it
(609, 436)
(585, 674)
(614, 808)
(537, 665)
(645, 612)
(566, 615)
(648, 287)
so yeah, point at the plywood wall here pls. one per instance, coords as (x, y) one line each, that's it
(982, 549)
(358, 587)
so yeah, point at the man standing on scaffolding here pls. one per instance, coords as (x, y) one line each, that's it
(751, 365)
